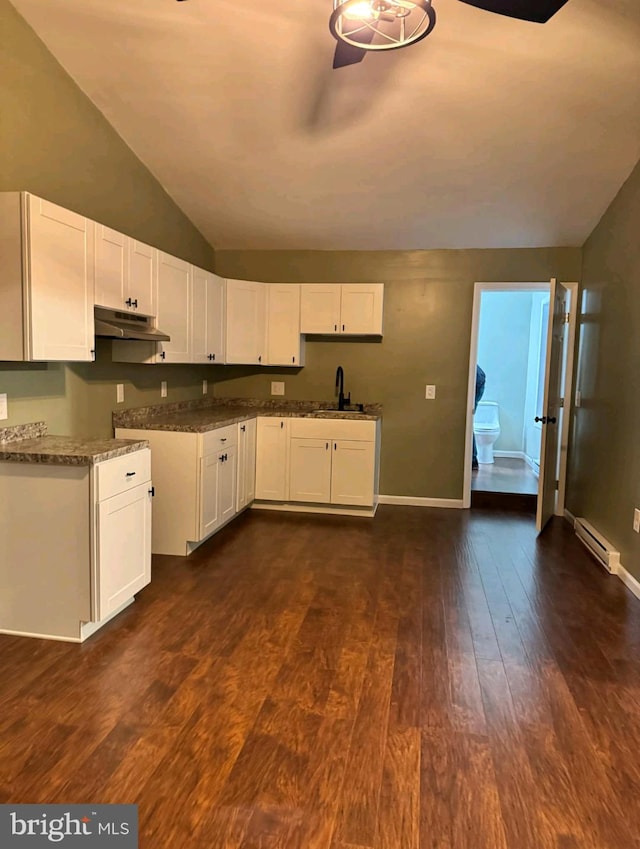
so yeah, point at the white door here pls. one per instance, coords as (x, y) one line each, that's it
(283, 324)
(310, 470)
(61, 285)
(272, 478)
(174, 308)
(352, 473)
(548, 479)
(227, 484)
(207, 317)
(110, 263)
(245, 324)
(361, 310)
(141, 295)
(124, 548)
(209, 501)
(320, 308)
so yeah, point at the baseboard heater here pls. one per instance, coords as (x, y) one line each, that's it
(601, 548)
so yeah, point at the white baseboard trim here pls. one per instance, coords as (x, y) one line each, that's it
(534, 465)
(514, 455)
(628, 580)
(568, 515)
(414, 501)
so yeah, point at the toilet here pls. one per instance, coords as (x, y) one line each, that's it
(486, 427)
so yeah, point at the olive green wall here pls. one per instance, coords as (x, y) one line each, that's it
(427, 329)
(604, 467)
(56, 144)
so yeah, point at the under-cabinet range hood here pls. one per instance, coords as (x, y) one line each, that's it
(114, 324)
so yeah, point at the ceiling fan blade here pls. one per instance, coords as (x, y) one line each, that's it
(536, 11)
(348, 54)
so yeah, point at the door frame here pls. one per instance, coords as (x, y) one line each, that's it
(515, 286)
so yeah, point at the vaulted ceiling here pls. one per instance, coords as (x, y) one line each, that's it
(492, 132)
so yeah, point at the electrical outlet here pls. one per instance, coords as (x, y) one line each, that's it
(205, 387)
(277, 387)
(4, 412)
(636, 521)
(120, 393)
(163, 389)
(430, 392)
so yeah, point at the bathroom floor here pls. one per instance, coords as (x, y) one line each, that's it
(505, 474)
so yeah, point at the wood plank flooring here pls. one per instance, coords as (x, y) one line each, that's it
(430, 679)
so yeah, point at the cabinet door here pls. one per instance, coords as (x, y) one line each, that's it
(141, 261)
(207, 317)
(60, 291)
(110, 264)
(174, 308)
(250, 461)
(352, 472)
(320, 308)
(361, 310)
(209, 500)
(245, 324)
(241, 486)
(310, 475)
(124, 548)
(283, 325)
(272, 476)
(227, 484)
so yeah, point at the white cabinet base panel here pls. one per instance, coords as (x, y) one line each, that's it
(329, 509)
(87, 629)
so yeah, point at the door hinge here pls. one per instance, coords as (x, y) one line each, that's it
(556, 485)
(560, 402)
(565, 318)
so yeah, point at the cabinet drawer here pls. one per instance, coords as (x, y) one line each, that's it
(222, 437)
(333, 429)
(122, 473)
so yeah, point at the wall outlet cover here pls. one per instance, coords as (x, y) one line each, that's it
(163, 389)
(277, 387)
(4, 410)
(120, 393)
(430, 392)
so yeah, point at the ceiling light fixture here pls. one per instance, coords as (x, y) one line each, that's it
(381, 24)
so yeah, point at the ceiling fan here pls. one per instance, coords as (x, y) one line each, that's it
(363, 25)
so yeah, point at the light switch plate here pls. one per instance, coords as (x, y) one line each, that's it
(4, 411)
(430, 392)
(163, 389)
(205, 387)
(277, 387)
(120, 393)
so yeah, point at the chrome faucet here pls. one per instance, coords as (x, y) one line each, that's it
(340, 388)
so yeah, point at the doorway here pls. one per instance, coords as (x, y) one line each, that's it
(522, 338)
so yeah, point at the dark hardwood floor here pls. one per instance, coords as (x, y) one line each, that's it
(430, 679)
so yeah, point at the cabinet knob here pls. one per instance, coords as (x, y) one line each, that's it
(335, 326)
(152, 491)
(213, 356)
(223, 439)
(163, 354)
(293, 359)
(129, 302)
(93, 353)
(135, 304)
(326, 447)
(281, 424)
(130, 474)
(243, 427)
(343, 328)
(260, 358)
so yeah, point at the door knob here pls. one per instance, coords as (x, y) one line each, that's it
(542, 419)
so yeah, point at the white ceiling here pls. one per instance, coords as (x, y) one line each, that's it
(490, 133)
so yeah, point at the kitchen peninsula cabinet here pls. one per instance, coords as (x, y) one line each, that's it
(46, 281)
(89, 552)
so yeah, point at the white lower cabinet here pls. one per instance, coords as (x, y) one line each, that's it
(318, 461)
(196, 484)
(246, 487)
(88, 554)
(272, 459)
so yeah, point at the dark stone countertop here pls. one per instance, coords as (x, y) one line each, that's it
(32, 444)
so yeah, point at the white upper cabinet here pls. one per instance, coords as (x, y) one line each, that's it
(320, 308)
(124, 272)
(207, 317)
(245, 324)
(110, 263)
(361, 308)
(284, 342)
(174, 308)
(348, 308)
(59, 288)
(141, 266)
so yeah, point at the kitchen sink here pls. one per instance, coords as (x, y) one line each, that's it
(333, 410)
